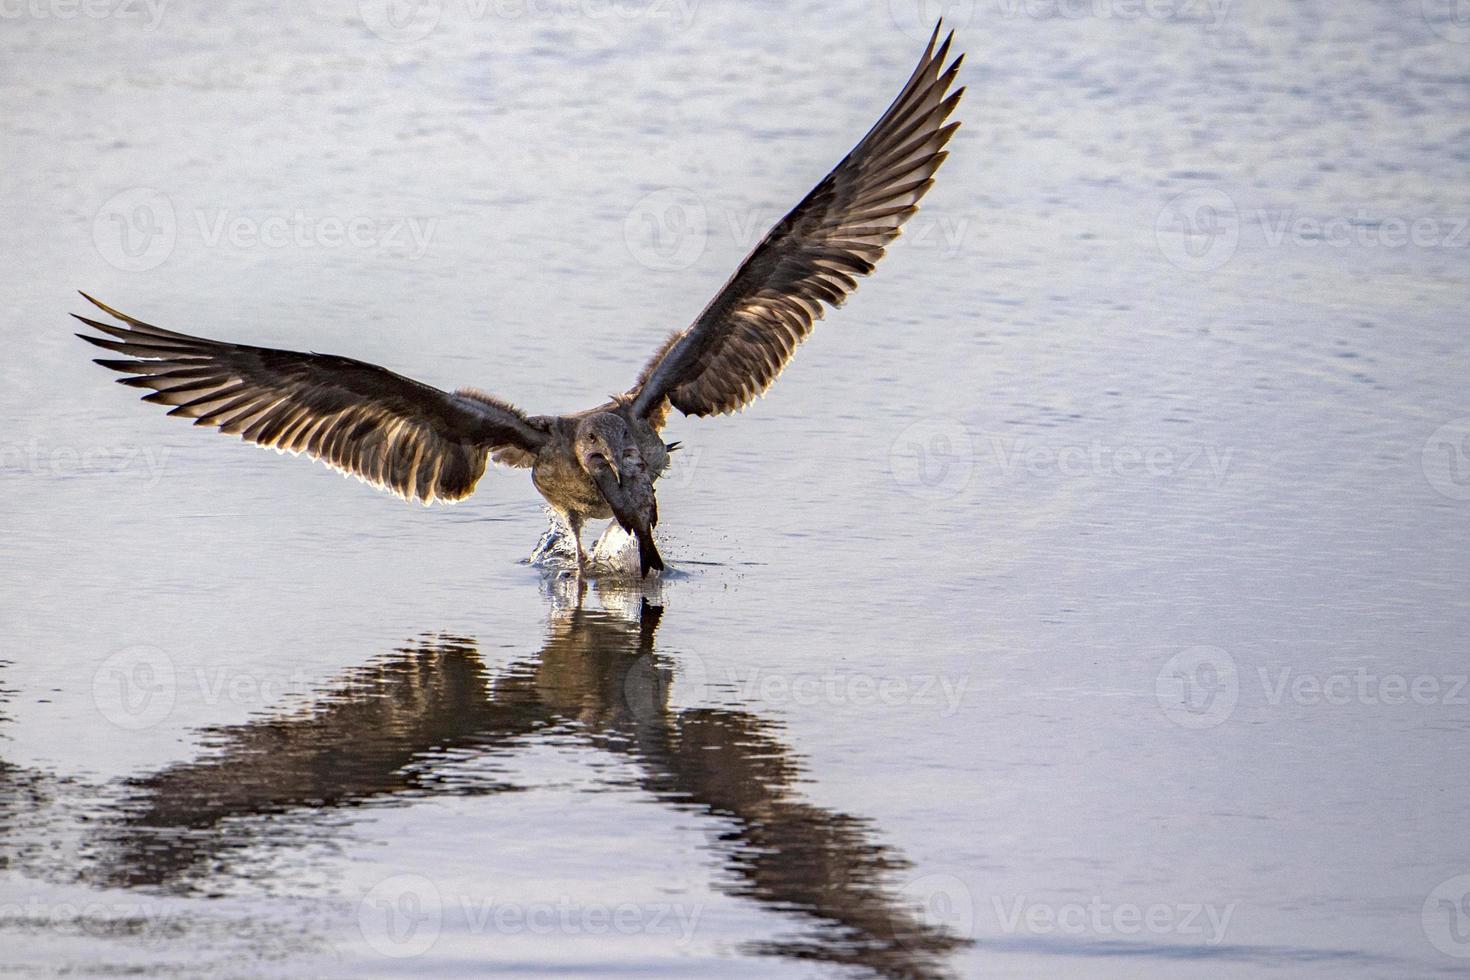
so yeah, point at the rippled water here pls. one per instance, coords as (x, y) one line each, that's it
(1089, 597)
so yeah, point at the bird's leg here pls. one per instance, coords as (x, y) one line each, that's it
(552, 548)
(549, 540)
(574, 523)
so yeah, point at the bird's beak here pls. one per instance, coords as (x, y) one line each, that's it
(618, 477)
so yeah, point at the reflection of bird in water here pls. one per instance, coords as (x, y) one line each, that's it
(384, 730)
(426, 444)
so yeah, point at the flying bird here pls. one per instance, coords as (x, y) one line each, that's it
(426, 444)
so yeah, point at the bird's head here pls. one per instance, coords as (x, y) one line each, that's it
(602, 440)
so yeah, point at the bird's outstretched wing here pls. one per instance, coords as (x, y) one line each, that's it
(387, 430)
(745, 336)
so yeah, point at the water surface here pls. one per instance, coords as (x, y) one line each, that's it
(1088, 598)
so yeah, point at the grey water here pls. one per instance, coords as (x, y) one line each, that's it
(1088, 598)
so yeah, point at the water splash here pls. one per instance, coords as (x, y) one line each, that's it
(613, 554)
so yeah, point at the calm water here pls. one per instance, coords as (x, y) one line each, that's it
(1089, 598)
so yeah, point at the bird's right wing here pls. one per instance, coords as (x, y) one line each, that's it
(387, 430)
(812, 258)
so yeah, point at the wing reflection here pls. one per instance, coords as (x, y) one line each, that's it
(384, 732)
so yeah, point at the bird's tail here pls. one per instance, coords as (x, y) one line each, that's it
(634, 506)
(648, 556)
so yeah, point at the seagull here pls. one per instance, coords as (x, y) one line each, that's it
(426, 444)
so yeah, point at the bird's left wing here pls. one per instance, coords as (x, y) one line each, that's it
(387, 430)
(745, 336)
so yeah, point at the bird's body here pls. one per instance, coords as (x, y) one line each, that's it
(559, 477)
(580, 487)
(566, 484)
(427, 444)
